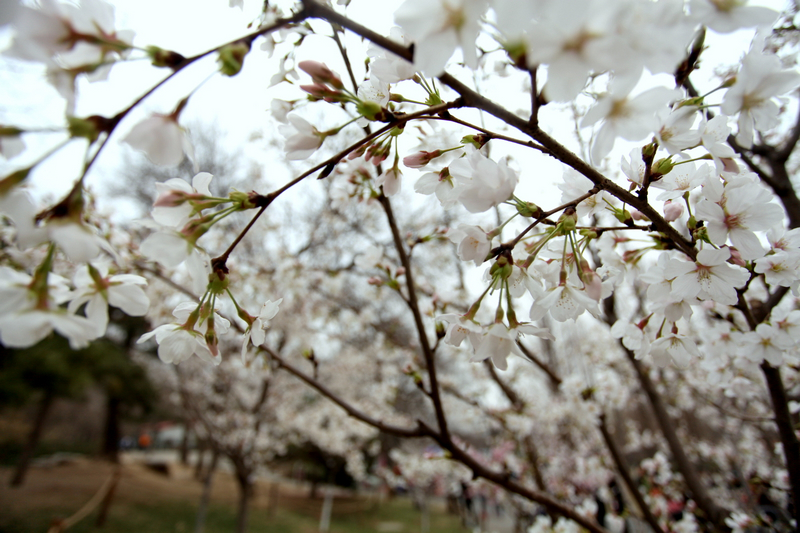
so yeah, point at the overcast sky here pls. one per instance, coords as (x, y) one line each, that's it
(239, 106)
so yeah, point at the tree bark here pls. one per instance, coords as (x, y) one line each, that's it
(33, 440)
(202, 508)
(105, 505)
(111, 434)
(245, 495)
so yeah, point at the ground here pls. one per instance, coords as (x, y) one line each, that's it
(149, 501)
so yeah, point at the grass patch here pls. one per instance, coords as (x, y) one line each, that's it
(148, 502)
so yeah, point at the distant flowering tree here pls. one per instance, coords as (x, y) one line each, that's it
(679, 265)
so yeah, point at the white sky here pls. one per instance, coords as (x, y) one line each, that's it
(239, 105)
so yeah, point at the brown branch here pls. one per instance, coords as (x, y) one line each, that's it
(710, 509)
(427, 352)
(351, 410)
(624, 472)
(554, 377)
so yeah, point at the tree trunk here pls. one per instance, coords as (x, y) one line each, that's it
(185, 446)
(202, 509)
(108, 498)
(33, 440)
(245, 495)
(111, 433)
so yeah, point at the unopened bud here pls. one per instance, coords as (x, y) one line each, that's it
(662, 167)
(649, 150)
(420, 159)
(530, 210)
(369, 110)
(476, 140)
(320, 73)
(231, 57)
(568, 220)
(164, 58)
(673, 211)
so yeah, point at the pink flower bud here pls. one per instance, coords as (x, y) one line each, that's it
(420, 159)
(171, 198)
(374, 280)
(672, 210)
(729, 165)
(593, 285)
(636, 215)
(320, 73)
(736, 258)
(400, 271)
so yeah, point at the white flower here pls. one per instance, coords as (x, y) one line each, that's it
(374, 90)
(26, 318)
(674, 347)
(574, 185)
(632, 119)
(726, 16)
(98, 290)
(439, 183)
(10, 145)
(280, 109)
(68, 30)
(574, 38)
(635, 168)
(162, 140)
(302, 139)
(180, 340)
(565, 301)
(79, 241)
(172, 207)
(676, 133)
(736, 211)
(779, 269)
(386, 66)
(257, 330)
(497, 343)
(390, 180)
(765, 344)
(438, 27)
(460, 328)
(481, 182)
(473, 244)
(715, 139)
(710, 278)
(759, 82)
(630, 334)
(681, 179)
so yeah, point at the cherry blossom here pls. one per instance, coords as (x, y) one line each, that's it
(736, 210)
(174, 204)
(441, 184)
(162, 140)
(725, 16)
(481, 182)
(759, 82)
(630, 118)
(386, 66)
(438, 27)
(94, 287)
(765, 344)
(180, 340)
(674, 347)
(709, 278)
(30, 311)
(461, 328)
(256, 331)
(472, 241)
(302, 139)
